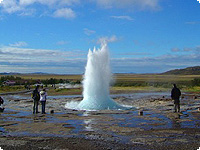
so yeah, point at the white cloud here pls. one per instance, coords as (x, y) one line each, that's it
(192, 22)
(62, 42)
(50, 3)
(197, 48)
(25, 60)
(123, 17)
(175, 50)
(88, 32)
(55, 61)
(26, 7)
(108, 39)
(154, 64)
(186, 49)
(16, 54)
(19, 44)
(1, 18)
(28, 12)
(21, 52)
(11, 6)
(68, 2)
(134, 54)
(66, 13)
(30, 2)
(1, 1)
(63, 8)
(133, 4)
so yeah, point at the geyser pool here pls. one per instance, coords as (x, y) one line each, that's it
(96, 83)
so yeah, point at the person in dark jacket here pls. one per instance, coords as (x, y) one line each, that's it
(1, 102)
(175, 95)
(36, 98)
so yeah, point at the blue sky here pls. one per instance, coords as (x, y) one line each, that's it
(53, 36)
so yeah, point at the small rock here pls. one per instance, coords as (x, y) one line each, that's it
(52, 112)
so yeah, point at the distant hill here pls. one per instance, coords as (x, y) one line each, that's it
(16, 73)
(186, 71)
(9, 73)
(41, 73)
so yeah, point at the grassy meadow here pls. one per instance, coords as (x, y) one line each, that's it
(120, 78)
(48, 76)
(121, 83)
(155, 82)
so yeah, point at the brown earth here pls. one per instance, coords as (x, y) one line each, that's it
(157, 127)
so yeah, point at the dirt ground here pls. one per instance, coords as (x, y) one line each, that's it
(150, 124)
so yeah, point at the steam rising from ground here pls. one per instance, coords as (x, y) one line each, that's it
(96, 82)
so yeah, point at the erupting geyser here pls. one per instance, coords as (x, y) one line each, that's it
(96, 82)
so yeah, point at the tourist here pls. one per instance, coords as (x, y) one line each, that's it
(175, 95)
(36, 98)
(1, 102)
(43, 98)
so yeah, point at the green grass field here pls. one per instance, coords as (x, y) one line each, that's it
(121, 83)
(48, 76)
(119, 77)
(154, 77)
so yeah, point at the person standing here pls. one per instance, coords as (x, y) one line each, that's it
(1, 103)
(43, 98)
(175, 95)
(1, 100)
(36, 98)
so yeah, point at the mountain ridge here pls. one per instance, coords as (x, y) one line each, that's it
(195, 70)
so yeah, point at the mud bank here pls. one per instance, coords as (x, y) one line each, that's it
(157, 128)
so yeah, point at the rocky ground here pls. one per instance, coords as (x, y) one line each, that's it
(150, 124)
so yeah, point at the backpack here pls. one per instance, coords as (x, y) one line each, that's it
(36, 95)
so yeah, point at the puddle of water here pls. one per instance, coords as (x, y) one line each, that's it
(87, 123)
(133, 95)
(2, 130)
(143, 95)
(76, 125)
(133, 120)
